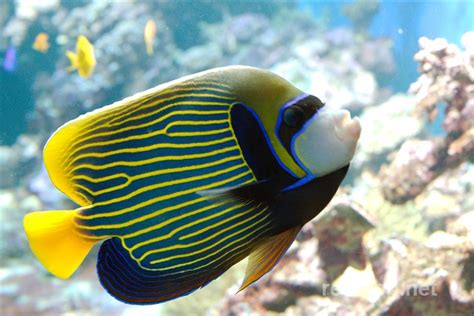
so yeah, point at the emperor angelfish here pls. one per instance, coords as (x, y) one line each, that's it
(180, 182)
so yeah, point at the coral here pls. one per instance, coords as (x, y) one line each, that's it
(447, 76)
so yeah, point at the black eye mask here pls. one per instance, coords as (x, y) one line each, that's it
(295, 116)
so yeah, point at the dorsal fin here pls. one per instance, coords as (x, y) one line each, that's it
(54, 155)
(266, 254)
(84, 142)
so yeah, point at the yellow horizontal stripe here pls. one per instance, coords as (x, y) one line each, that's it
(200, 231)
(85, 198)
(194, 123)
(172, 220)
(160, 109)
(220, 232)
(135, 220)
(144, 100)
(135, 127)
(160, 172)
(157, 226)
(129, 107)
(106, 115)
(139, 219)
(151, 147)
(102, 179)
(157, 199)
(185, 255)
(154, 160)
(209, 255)
(244, 245)
(70, 152)
(203, 133)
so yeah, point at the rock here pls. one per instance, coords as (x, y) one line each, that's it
(340, 232)
(429, 279)
(317, 305)
(463, 226)
(391, 219)
(441, 239)
(358, 283)
(381, 132)
(447, 76)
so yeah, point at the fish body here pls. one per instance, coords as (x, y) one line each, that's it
(184, 180)
(149, 36)
(41, 42)
(9, 61)
(84, 58)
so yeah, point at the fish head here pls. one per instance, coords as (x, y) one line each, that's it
(326, 141)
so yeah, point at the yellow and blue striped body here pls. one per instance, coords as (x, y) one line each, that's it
(139, 169)
(180, 182)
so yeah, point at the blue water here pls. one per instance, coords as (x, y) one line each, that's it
(404, 22)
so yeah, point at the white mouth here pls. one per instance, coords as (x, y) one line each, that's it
(346, 127)
(328, 142)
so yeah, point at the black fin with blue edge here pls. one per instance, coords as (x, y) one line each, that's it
(256, 192)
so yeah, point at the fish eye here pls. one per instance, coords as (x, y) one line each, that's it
(293, 116)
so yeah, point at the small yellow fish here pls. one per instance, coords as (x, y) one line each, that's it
(83, 60)
(149, 35)
(41, 42)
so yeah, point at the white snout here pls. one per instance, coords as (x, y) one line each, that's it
(327, 142)
(346, 128)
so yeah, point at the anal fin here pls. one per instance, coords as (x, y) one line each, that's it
(266, 254)
(126, 280)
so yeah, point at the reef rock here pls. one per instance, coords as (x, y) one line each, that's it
(383, 132)
(434, 278)
(447, 76)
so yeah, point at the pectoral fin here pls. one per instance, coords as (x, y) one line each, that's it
(266, 254)
(254, 193)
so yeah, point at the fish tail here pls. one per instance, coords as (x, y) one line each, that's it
(149, 48)
(55, 242)
(73, 59)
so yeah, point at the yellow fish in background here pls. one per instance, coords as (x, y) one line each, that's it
(84, 59)
(41, 42)
(149, 35)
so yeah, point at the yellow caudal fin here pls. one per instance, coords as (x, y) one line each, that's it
(73, 59)
(54, 241)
